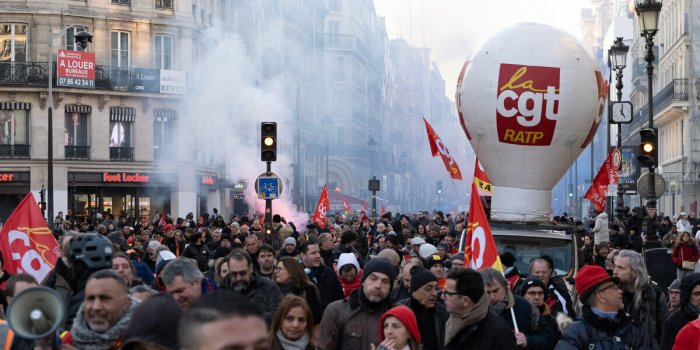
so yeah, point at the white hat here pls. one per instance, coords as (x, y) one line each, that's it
(682, 213)
(347, 259)
(427, 250)
(417, 241)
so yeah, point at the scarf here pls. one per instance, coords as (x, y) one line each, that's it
(507, 303)
(288, 287)
(85, 338)
(604, 314)
(455, 323)
(299, 344)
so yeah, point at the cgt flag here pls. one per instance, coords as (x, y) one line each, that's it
(321, 209)
(606, 175)
(480, 249)
(481, 179)
(346, 207)
(438, 148)
(26, 242)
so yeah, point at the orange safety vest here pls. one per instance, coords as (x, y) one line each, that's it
(6, 335)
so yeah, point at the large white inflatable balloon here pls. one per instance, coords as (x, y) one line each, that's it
(530, 99)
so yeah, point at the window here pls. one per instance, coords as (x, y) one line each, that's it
(75, 132)
(121, 120)
(14, 130)
(164, 4)
(120, 49)
(121, 2)
(333, 32)
(334, 5)
(338, 68)
(13, 47)
(164, 52)
(70, 38)
(163, 127)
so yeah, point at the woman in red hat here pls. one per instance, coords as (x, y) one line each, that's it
(399, 330)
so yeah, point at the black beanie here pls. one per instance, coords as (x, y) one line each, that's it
(381, 265)
(420, 277)
(507, 259)
(532, 282)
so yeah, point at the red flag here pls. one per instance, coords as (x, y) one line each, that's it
(26, 242)
(364, 205)
(162, 219)
(606, 175)
(346, 207)
(321, 209)
(438, 148)
(480, 250)
(481, 179)
(382, 211)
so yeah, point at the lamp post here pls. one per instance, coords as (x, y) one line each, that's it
(82, 38)
(618, 57)
(648, 19)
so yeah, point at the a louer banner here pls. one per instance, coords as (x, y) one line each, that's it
(26, 242)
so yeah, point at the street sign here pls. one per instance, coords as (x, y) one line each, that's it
(643, 185)
(75, 69)
(268, 186)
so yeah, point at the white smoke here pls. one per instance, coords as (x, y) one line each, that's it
(225, 104)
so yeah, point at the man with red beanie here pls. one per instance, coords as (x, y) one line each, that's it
(604, 324)
(392, 332)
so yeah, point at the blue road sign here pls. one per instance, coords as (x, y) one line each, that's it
(268, 186)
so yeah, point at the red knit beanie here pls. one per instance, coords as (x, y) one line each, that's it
(407, 317)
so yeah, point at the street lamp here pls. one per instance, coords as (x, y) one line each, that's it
(82, 38)
(618, 57)
(648, 19)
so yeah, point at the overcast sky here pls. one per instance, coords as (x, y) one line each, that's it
(453, 28)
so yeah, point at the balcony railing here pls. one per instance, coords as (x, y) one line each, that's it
(106, 77)
(121, 2)
(164, 4)
(121, 153)
(77, 152)
(14, 151)
(677, 90)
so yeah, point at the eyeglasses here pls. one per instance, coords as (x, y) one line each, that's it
(446, 293)
(606, 288)
(534, 294)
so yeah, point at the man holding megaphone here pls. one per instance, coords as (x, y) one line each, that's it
(15, 286)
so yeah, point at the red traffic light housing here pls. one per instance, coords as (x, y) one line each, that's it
(648, 148)
(268, 141)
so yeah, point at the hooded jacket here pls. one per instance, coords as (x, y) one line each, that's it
(348, 286)
(683, 315)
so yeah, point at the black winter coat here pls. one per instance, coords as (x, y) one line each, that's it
(618, 241)
(328, 285)
(200, 254)
(490, 333)
(261, 292)
(673, 325)
(538, 333)
(440, 316)
(593, 332)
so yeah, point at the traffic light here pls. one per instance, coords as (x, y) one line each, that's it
(439, 187)
(268, 141)
(42, 200)
(648, 148)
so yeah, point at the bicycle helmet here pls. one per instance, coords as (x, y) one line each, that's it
(92, 249)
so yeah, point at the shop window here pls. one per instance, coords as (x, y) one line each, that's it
(13, 43)
(164, 52)
(121, 120)
(14, 130)
(163, 127)
(75, 132)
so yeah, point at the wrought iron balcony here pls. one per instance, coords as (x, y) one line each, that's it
(23, 73)
(121, 153)
(14, 151)
(165, 4)
(77, 152)
(121, 2)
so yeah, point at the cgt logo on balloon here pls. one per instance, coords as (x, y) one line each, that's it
(527, 104)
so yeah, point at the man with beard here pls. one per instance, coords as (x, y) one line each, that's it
(604, 323)
(352, 324)
(266, 261)
(644, 301)
(257, 290)
(104, 315)
(688, 311)
(323, 276)
(430, 315)
(184, 281)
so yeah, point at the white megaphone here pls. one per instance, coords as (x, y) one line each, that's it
(36, 312)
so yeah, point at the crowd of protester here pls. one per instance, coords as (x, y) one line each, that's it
(394, 282)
